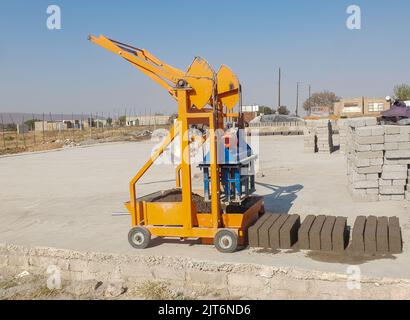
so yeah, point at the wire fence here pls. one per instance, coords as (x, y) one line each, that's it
(50, 132)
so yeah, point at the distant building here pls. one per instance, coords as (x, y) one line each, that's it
(64, 125)
(147, 120)
(363, 106)
(319, 111)
(253, 108)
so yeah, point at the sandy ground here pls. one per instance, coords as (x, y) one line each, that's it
(66, 198)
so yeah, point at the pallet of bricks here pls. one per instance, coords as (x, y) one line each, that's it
(318, 136)
(378, 159)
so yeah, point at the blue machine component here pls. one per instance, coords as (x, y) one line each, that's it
(237, 169)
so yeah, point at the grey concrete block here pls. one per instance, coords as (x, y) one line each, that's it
(366, 184)
(384, 198)
(372, 177)
(362, 147)
(391, 190)
(391, 146)
(377, 130)
(392, 129)
(303, 233)
(358, 235)
(289, 232)
(370, 121)
(356, 177)
(364, 132)
(263, 233)
(397, 138)
(395, 236)
(376, 162)
(404, 129)
(370, 140)
(382, 235)
(397, 154)
(405, 161)
(377, 147)
(315, 231)
(369, 155)
(373, 191)
(340, 235)
(357, 123)
(395, 168)
(400, 183)
(386, 175)
(326, 234)
(371, 169)
(360, 163)
(370, 245)
(383, 182)
(404, 145)
(397, 197)
(274, 231)
(253, 232)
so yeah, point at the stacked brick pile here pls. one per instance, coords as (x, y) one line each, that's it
(324, 134)
(318, 136)
(309, 136)
(365, 158)
(378, 160)
(395, 175)
(343, 129)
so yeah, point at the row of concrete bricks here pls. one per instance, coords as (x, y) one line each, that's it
(373, 235)
(326, 233)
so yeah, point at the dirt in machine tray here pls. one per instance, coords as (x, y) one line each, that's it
(203, 206)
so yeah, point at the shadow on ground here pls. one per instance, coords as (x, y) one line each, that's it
(155, 242)
(281, 199)
(347, 257)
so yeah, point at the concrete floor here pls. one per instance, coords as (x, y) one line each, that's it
(66, 198)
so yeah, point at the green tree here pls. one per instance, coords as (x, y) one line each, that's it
(402, 92)
(266, 110)
(283, 110)
(122, 120)
(321, 99)
(173, 117)
(30, 123)
(109, 121)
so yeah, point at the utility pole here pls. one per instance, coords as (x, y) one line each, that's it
(43, 128)
(279, 87)
(297, 98)
(3, 129)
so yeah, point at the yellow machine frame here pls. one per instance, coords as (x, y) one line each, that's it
(203, 97)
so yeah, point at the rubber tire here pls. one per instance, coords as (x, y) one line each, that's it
(226, 234)
(142, 232)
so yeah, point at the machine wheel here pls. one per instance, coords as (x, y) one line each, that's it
(226, 241)
(139, 237)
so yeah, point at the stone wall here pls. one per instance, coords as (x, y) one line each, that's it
(251, 281)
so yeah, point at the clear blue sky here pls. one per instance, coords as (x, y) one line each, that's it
(60, 71)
